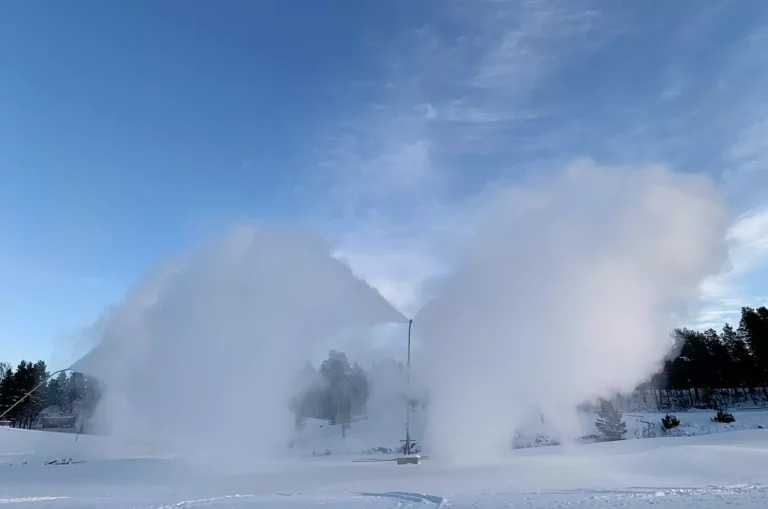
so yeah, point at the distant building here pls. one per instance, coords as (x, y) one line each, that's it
(57, 421)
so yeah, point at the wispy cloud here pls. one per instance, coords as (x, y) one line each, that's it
(750, 156)
(456, 88)
(533, 38)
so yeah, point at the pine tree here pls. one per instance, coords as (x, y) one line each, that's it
(358, 382)
(53, 393)
(718, 360)
(62, 381)
(19, 388)
(23, 382)
(609, 422)
(335, 370)
(754, 329)
(74, 393)
(91, 397)
(741, 369)
(6, 389)
(346, 389)
(38, 372)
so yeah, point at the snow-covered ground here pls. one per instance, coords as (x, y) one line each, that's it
(707, 471)
(387, 431)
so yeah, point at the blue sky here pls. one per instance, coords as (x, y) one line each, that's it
(130, 131)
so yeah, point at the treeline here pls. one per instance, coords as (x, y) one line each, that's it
(709, 369)
(734, 358)
(72, 396)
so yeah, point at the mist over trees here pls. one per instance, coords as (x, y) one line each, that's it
(337, 392)
(710, 369)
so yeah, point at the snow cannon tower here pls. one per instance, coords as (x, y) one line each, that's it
(408, 458)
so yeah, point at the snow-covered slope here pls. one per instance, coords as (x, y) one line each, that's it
(711, 471)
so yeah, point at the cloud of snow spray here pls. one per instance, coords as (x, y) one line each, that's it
(200, 358)
(568, 291)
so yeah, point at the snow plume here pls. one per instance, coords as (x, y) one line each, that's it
(568, 291)
(201, 357)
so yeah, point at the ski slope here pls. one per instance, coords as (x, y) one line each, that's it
(711, 471)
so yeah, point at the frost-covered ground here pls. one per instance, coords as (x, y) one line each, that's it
(710, 471)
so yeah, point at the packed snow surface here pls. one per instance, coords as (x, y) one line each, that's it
(710, 471)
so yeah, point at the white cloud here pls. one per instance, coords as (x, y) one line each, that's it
(747, 182)
(750, 234)
(742, 93)
(748, 252)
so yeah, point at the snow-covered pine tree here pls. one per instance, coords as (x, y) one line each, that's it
(610, 423)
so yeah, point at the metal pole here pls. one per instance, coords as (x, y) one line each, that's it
(408, 395)
(80, 428)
